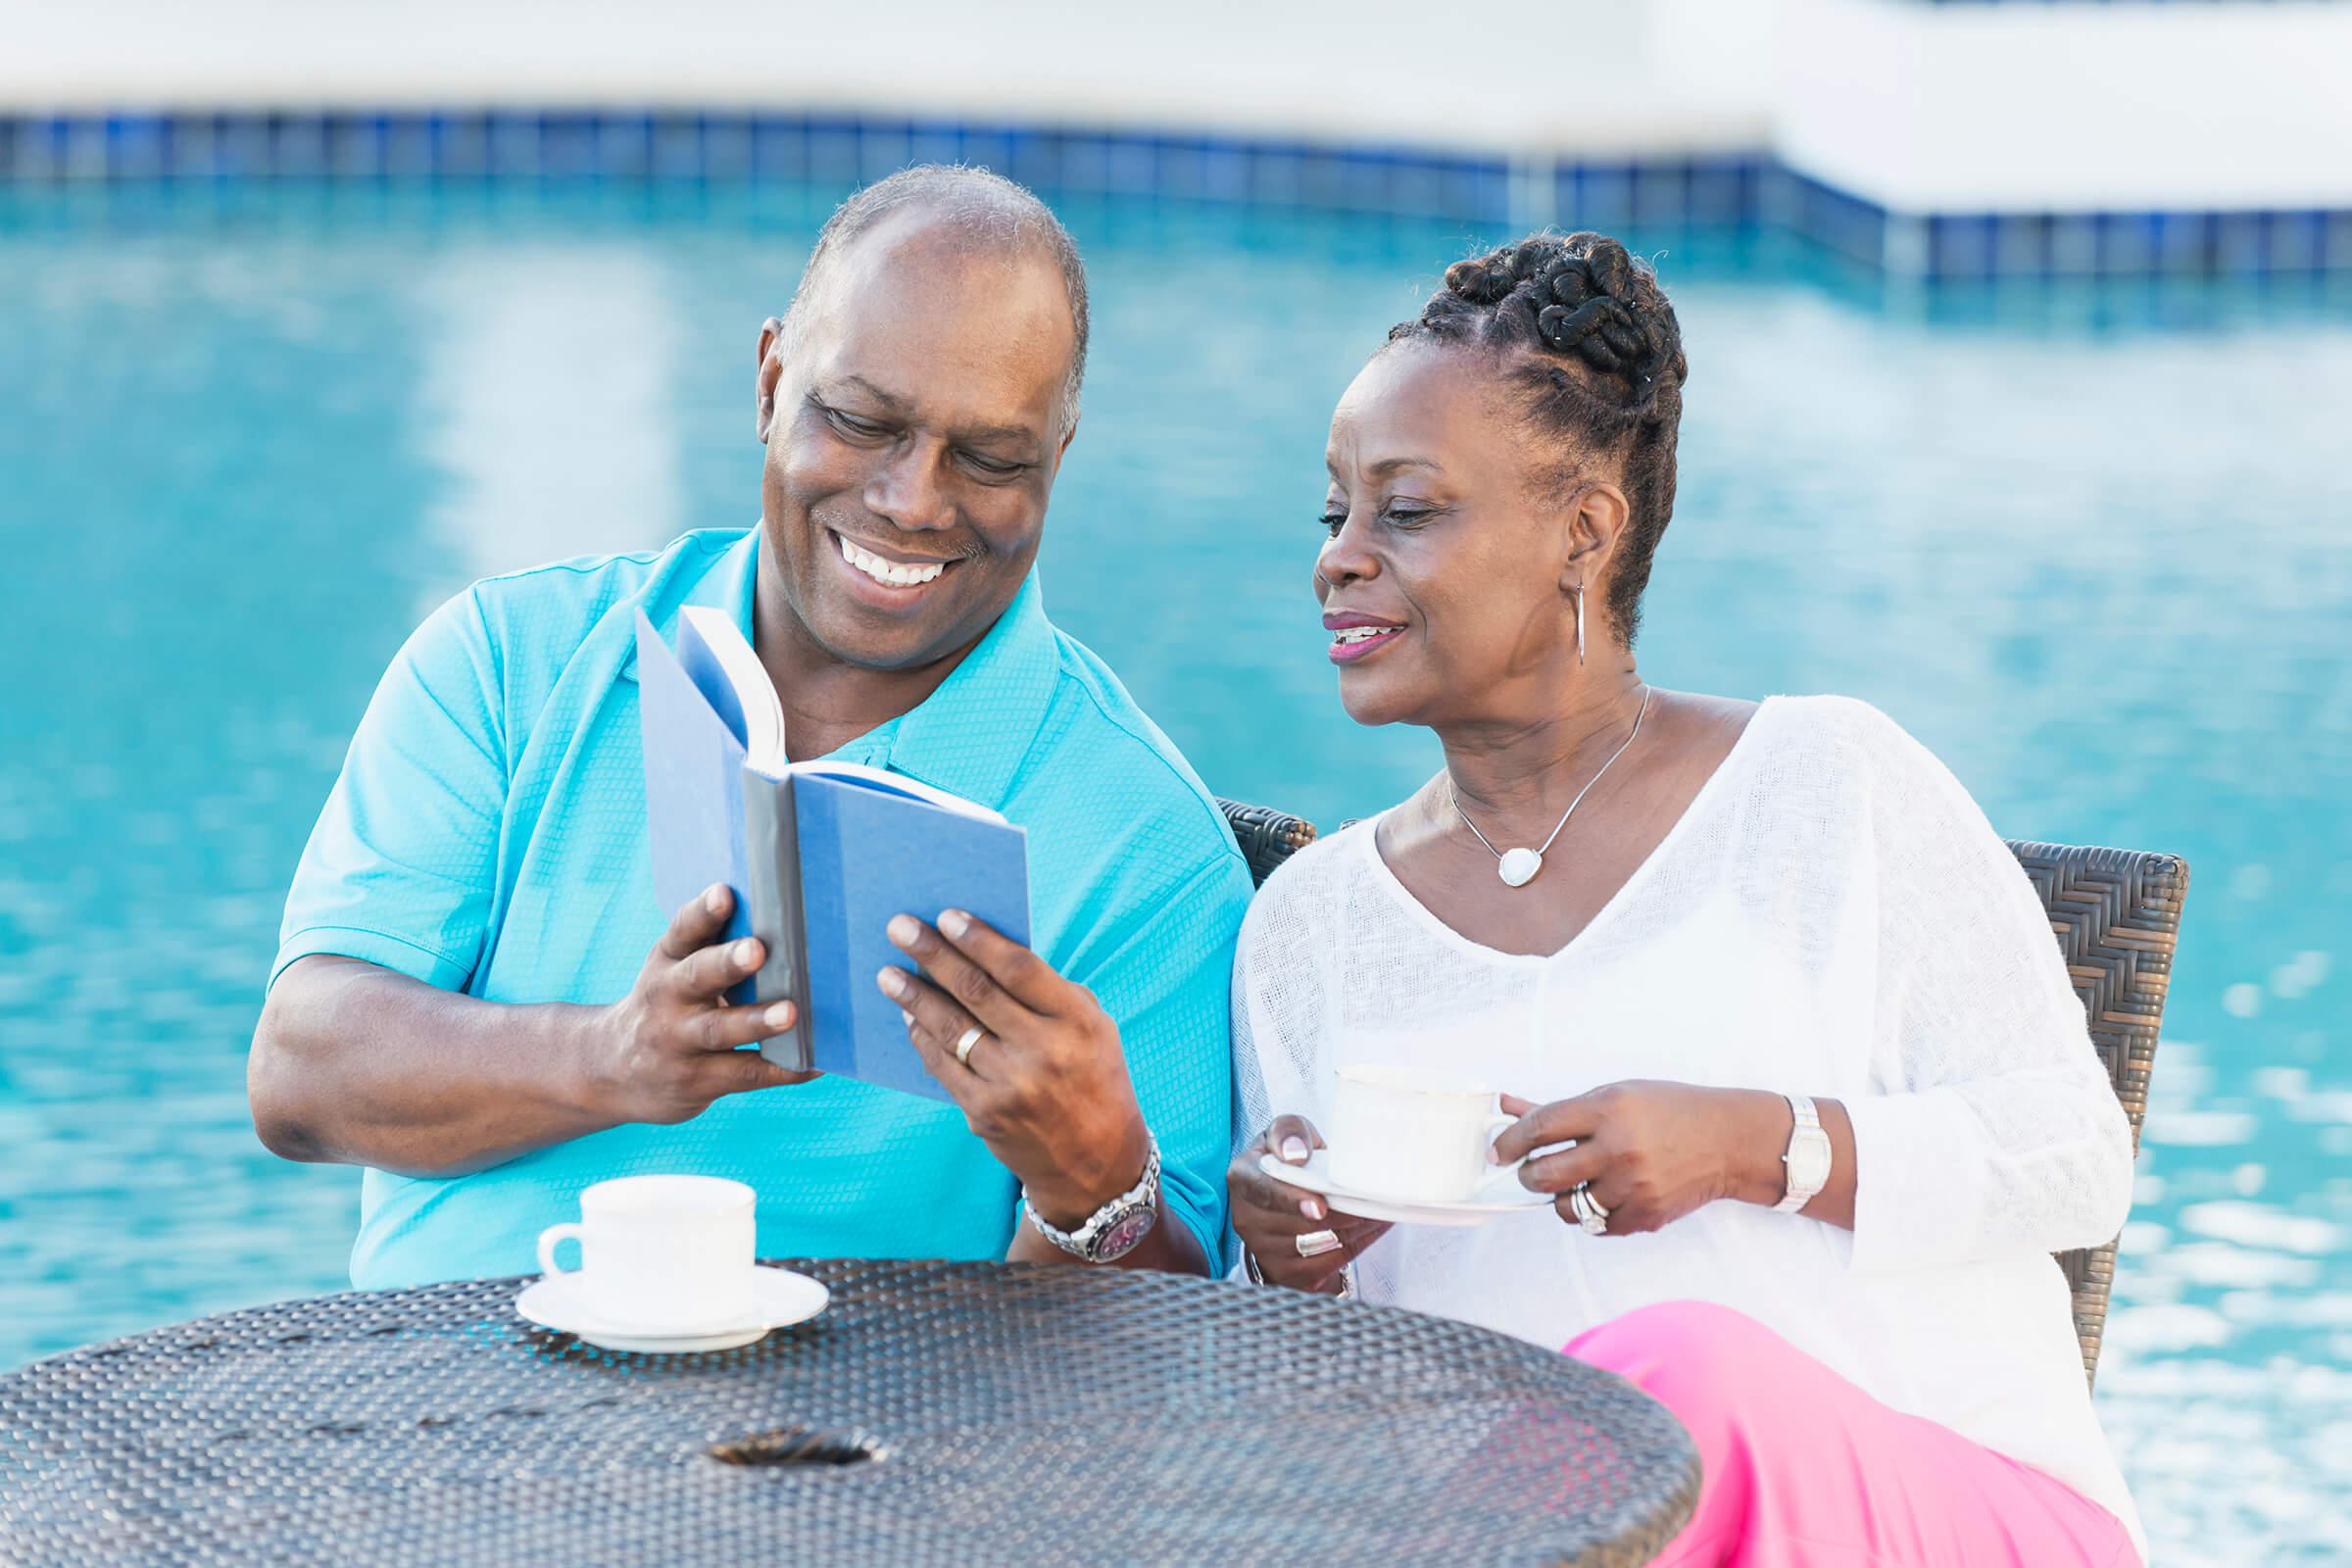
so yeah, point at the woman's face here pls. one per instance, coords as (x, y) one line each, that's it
(1445, 582)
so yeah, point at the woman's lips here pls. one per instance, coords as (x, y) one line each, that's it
(1351, 643)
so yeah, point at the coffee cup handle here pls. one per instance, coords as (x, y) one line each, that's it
(1493, 1183)
(556, 1236)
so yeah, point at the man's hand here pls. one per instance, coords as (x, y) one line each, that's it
(1269, 1216)
(670, 1048)
(1046, 1083)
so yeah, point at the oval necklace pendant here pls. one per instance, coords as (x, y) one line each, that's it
(1519, 868)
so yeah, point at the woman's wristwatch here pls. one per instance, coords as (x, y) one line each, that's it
(1112, 1231)
(1807, 1160)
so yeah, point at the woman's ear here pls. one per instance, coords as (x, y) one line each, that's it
(771, 366)
(1595, 522)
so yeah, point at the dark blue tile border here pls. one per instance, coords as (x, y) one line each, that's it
(1845, 224)
(1986, 4)
(1721, 190)
(560, 145)
(1970, 246)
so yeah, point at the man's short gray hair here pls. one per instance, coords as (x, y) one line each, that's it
(984, 211)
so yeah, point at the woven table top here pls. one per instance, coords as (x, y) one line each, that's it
(934, 1413)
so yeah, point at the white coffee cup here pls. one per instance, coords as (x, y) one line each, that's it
(1398, 1132)
(662, 1251)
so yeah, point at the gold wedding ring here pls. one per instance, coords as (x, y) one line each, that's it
(965, 1043)
(1314, 1244)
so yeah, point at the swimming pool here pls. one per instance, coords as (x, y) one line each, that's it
(2091, 546)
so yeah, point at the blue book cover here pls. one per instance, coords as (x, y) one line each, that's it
(694, 762)
(867, 853)
(821, 854)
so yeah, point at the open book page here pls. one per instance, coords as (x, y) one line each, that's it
(710, 642)
(898, 784)
(709, 638)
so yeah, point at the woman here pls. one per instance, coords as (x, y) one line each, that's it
(1736, 918)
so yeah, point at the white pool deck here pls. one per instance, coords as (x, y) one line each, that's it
(1919, 108)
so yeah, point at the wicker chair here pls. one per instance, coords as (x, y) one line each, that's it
(2116, 915)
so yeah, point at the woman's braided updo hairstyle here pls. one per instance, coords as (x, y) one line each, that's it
(1587, 333)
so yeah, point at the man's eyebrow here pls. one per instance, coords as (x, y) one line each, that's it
(894, 405)
(969, 435)
(986, 435)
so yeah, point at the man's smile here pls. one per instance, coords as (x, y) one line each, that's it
(900, 577)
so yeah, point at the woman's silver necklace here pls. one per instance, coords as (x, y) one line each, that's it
(1518, 867)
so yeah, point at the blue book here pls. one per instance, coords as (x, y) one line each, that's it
(821, 854)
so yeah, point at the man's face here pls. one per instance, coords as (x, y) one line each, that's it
(912, 438)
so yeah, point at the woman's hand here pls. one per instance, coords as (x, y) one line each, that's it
(1652, 1152)
(1045, 1086)
(1270, 1215)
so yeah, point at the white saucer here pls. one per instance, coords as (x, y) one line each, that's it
(1506, 1196)
(779, 1298)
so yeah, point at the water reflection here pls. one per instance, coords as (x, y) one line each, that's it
(547, 404)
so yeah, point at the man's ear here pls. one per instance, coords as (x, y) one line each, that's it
(1597, 519)
(771, 366)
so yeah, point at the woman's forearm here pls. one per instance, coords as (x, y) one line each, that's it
(2037, 1161)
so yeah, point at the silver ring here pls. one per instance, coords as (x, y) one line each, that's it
(1592, 1215)
(1314, 1244)
(965, 1043)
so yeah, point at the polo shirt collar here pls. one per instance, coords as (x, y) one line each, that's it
(726, 583)
(970, 736)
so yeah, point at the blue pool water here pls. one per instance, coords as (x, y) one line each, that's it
(2096, 549)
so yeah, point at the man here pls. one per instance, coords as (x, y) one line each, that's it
(476, 997)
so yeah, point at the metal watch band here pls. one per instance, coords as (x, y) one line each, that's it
(1806, 1161)
(1111, 1231)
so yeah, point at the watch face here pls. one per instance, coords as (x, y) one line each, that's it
(1809, 1162)
(1125, 1231)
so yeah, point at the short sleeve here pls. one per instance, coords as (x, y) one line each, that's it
(402, 865)
(1165, 986)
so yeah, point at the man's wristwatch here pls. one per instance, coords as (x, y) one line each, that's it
(1807, 1161)
(1111, 1231)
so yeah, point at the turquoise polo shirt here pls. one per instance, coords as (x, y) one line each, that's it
(488, 835)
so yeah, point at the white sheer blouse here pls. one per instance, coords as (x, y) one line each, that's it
(1831, 917)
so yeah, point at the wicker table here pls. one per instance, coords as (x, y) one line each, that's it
(934, 1413)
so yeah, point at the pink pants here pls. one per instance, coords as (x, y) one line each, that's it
(1804, 1470)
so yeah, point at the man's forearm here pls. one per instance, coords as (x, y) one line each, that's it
(355, 1064)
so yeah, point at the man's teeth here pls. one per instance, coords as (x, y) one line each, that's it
(888, 572)
(1363, 634)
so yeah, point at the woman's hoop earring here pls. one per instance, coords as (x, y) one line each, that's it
(1580, 623)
